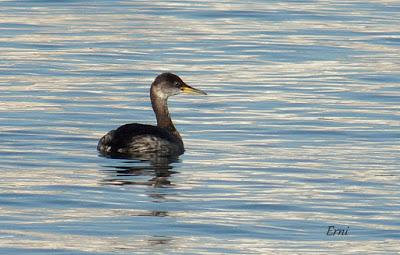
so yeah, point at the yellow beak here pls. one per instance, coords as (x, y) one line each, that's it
(190, 90)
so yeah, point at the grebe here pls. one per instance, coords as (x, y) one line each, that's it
(139, 139)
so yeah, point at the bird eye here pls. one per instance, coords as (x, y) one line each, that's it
(177, 84)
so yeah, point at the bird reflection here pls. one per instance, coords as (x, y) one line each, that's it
(155, 170)
(159, 240)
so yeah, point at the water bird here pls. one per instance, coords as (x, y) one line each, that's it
(137, 140)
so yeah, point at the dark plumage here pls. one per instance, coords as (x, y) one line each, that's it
(140, 139)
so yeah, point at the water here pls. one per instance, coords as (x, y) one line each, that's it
(299, 132)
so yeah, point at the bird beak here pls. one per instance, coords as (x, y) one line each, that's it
(190, 90)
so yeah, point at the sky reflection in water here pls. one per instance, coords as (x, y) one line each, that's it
(299, 130)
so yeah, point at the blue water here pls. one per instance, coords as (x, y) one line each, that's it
(300, 129)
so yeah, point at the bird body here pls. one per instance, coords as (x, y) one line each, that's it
(134, 138)
(140, 139)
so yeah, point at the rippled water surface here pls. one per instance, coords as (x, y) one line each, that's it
(300, 130)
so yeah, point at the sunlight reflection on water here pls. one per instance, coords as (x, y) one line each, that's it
(299, 132)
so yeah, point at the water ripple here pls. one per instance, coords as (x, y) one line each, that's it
(299, 132)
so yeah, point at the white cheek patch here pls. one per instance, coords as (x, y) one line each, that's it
(160, 93)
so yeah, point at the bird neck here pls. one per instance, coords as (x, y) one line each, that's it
(160, 108)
